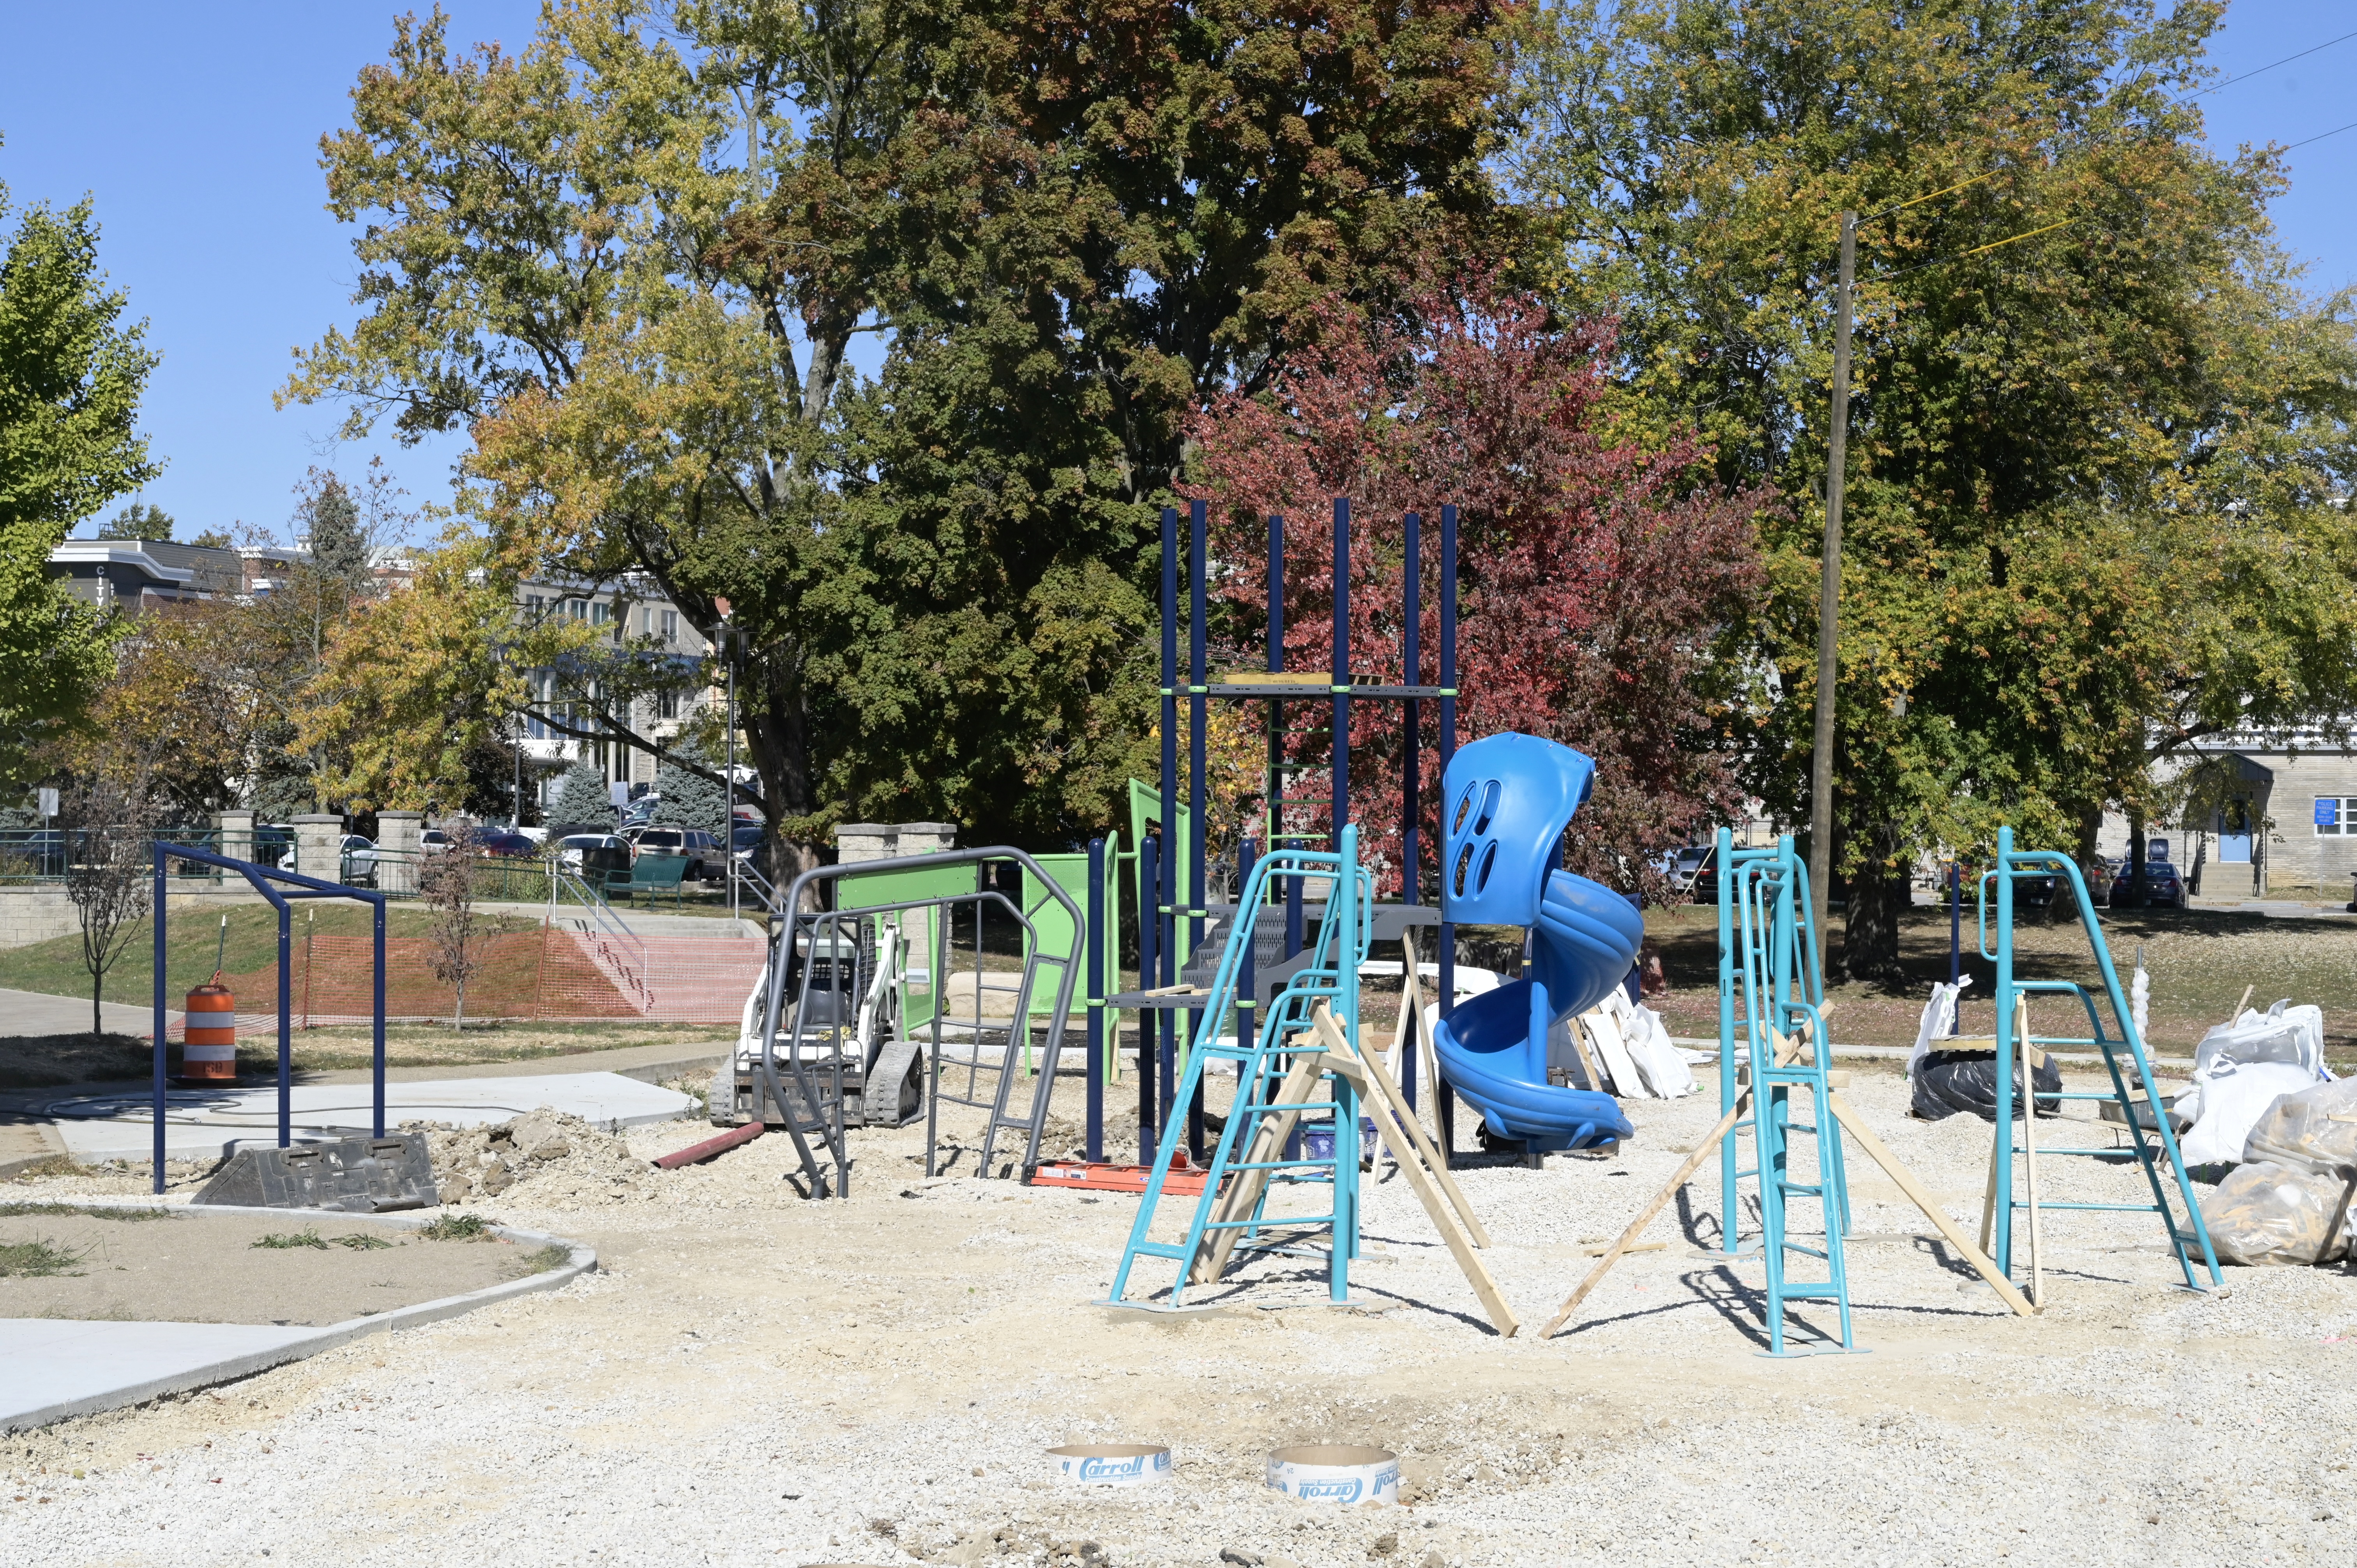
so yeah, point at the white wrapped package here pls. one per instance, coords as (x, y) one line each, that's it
(2227, 1103)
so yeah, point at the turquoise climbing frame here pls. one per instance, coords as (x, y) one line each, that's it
(2150, 1137)
(1333, 978)
(1770, 992)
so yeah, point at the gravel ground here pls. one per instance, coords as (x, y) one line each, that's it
(754, 1379)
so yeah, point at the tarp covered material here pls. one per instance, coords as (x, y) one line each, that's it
(2265, 1214)
(1946, 1082)
(2242, 1069)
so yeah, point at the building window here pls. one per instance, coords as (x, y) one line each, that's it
(2336, 816)
(598, 612)
(671, 626)
(667, 704)
(535, 605)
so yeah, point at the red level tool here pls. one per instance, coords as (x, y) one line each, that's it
(1086, 1177)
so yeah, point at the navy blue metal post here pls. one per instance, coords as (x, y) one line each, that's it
(1197, 704)
(1341, 676)
(1247, 985)
(1955, 921)
(262, 879)
(160, 1046)
(380, 1019)
(1149, 929)
(1412, 748)
(286, 1026)
(1095, 993)
(1166, 890)
(1447, 1108)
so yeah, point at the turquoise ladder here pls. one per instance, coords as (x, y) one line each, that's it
(1768, 960)
(1332, 978)
(2151, 1139)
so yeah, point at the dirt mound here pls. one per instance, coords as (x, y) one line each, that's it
(546, 1157)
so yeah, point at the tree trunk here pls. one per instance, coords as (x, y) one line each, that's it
(97, 984)
(1870, 932)
(2135, 860)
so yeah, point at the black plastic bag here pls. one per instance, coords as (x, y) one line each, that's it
(1949, 1081)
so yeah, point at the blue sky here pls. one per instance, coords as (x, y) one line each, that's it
(196, 128)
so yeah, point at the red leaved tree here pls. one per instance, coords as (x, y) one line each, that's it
(1600, 585)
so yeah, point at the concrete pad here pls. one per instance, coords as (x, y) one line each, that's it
(206, 1122)
(61, 1365)
(38, 1013)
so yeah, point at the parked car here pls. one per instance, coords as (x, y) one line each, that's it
(594, 857)
(360, 858)
(1688, 868)
(506, 845)
(434, 840)
(2163, 887)
(2099, 881)
(702, 849)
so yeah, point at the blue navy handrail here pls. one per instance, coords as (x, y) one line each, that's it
(300, 886)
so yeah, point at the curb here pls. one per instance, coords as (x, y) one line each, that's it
(583, 1258)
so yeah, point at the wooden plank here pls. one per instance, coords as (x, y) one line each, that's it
(1411, 1002)
(1428, 1151)
(1419, 1175)
(1702, 1151)
(1923, 1200)
(1615, 1052)
(1245, 1187)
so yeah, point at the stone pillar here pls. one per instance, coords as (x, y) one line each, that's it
(319, 846)
(400, 838)
(856, 842)
(233, 833)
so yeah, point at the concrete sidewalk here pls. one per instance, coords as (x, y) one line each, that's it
(59, 1368)
(38, 1013)
(212, 1124)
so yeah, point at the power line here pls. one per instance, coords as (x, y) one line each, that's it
(2268, 67)
(1977, 249)
(2321, 134)
(1902, 206)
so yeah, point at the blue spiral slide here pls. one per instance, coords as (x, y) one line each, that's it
(1508, 798)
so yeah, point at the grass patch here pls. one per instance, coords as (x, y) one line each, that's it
(540, 1259)
(459, 1228)
(285, 1241)
(54, 1166)
(38, 1259)
(17, 1210)
(359, 1241)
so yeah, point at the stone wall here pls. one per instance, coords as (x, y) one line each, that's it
(29, 915)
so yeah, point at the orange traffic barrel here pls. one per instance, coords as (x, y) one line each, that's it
(209, 1048)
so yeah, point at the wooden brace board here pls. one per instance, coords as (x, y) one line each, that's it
(1382, 1099)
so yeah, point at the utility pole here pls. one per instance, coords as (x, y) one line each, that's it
(1821, 764)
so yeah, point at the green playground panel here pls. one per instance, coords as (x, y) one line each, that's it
(1052, 925)
(915, 886)
(1146, 806)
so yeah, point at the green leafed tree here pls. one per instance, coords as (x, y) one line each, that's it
(631, 259)
(2097, 424)
(70, 376)
(138, 520)
(691, 799)
(584, 800)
